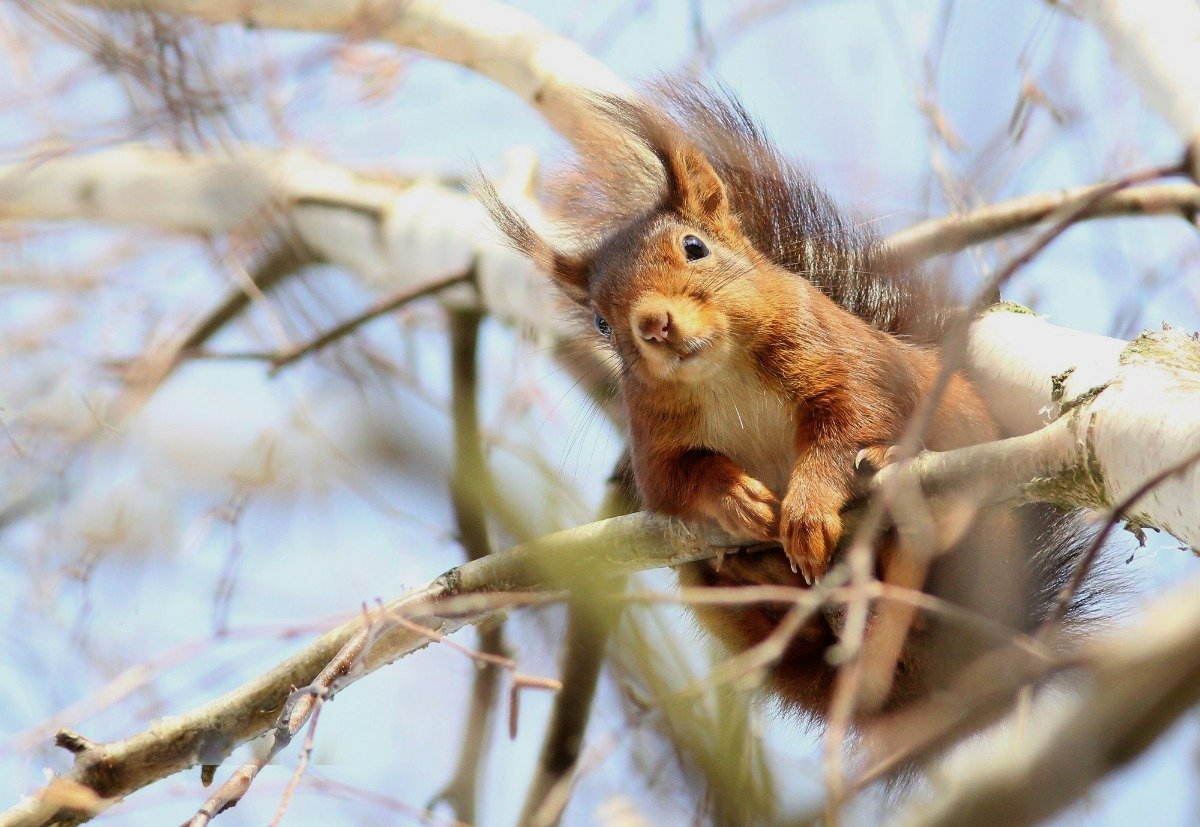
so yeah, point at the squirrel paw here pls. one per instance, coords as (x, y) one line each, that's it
(874, 457)
(809, 538)
(748, 509)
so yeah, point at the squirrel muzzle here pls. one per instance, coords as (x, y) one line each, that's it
(677, 338)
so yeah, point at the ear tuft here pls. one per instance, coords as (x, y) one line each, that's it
(694, 187)
(568, 271)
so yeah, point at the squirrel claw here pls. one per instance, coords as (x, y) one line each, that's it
(872, 458)
(809, 540)
(862, 461)
(803, 570)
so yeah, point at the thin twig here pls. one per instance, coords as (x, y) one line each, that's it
(770, 649)
(792, 595)
(301, 763)
(295, 713)
(484, 658)
(480, 657)
(379, 308)
(288, 256)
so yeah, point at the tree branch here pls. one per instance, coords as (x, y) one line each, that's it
(288, 256)
(590, 621)
(1154, 42)
(398, 236)
(953, 233)
(208, 734)
(381, 307)
(1131, 407)
(1139, 683)
(467, 493)
(550, 72)
(300, 705)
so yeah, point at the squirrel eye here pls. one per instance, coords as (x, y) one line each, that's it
(694, 248)
(603, 326)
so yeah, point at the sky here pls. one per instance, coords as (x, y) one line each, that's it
(238, 510)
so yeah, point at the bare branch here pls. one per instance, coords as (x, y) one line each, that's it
(398, 235)
(208, 734)
(590, 622)
(995, 472)
(1154, 41)
(953, 233)
(1140, 682)
(301, 704)
(387, 304)
(289, 256)
(1130, 407)
(550, 72)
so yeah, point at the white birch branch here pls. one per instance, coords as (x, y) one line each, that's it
(1138, 683)
(1132, 409)
(396, 235)
(1157, 43)
(958, 231)
(389, 234)
(550, 72)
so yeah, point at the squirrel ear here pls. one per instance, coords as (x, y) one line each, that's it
(694, 188)
(569, 272)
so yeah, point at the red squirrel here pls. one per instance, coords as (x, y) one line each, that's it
(763, 344)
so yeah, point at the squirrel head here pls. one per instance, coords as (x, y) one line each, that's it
(677, 290)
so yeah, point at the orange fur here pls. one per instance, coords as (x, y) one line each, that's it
(750, 389)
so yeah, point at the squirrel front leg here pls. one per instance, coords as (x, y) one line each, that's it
(810, 519)
(702, 484)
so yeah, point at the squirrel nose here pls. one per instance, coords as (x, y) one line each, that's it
(654, 325)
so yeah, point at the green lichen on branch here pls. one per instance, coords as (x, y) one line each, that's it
(1077, 484)
(1008, 307)
(1167, 348)
(1058, 386)
(1071, 488)
(1058, 393)
(1078, 401)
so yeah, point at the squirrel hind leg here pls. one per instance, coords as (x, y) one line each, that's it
(802, 678)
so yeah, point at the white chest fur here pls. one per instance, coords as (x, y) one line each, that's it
(753, 426)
